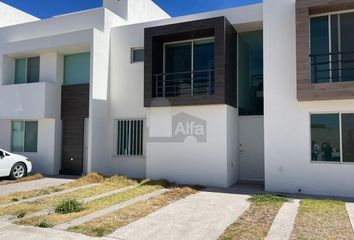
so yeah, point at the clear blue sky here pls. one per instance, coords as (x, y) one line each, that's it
(48, 8)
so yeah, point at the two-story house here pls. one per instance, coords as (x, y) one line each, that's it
(259, 93)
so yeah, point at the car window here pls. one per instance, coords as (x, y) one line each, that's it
(2, 154)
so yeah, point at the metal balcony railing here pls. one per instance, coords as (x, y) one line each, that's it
(332, 67)
(191, 83)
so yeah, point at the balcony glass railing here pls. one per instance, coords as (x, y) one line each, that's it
(192, 83)
(332, 67)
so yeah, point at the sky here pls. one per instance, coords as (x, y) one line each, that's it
(48, 8)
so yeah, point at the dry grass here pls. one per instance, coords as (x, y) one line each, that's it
(322, 219)
(107, 224)
(108, 184)
(256, 221)
(56, 218)
(89, 179)
(29, 177)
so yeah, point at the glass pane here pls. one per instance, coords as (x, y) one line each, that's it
(335, 48)
(31, 136)
(138, 55)
(250, 75)
(347, 46)
(348, 137)
(178, 67)
(20, 71)
(319, 50)
(33, 69)
(18, 132)
(203, 67)
(325, 141)
(77, 68)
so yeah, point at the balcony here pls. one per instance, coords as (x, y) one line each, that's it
(332, 67)
(29, 101)
(191, 83)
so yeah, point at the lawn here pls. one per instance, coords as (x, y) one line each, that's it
(106, 185)
(98, 204)
(322, 219)
(256, 221)
(106, 225)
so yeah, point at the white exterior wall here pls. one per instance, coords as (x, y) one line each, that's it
(191, 162)
(287, 121)
(11, 16)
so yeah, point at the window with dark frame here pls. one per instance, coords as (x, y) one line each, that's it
(130, 135)
(331, 46)
(137, 55)
(332, 137)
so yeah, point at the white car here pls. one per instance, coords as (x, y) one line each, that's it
(13, 165)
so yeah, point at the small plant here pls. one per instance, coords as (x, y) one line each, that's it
(21, 215)
(45, 224)
(100, 231)
(15, 200)
(58, 189)
(69, 206)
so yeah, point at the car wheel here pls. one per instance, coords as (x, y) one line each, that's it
(18, 171)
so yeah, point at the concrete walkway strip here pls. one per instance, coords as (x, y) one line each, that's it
(283, 223)
(32, 185)
(10, 231)
(204, 215)
(48, 195)
(350, 210)
(108, 210)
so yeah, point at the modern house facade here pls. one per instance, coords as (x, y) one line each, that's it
(257, 93)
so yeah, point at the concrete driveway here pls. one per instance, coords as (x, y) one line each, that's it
(7, 189)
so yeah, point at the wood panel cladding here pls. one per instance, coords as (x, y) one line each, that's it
(319, 91)
(74, 110)
(225, 60)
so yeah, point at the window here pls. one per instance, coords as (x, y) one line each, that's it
(250, 73)
(130, 137)
(188, 69)
(332, 137)
(27, 70)
(24, 136)
(77, 68)
(137, 55)
(332, 51)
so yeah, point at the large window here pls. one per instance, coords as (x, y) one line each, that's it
(130, 137)
(332, 48)
(77, 68)
(27, 70)
(188, 69)
(24, 136)
(250, 73)
(332, 137)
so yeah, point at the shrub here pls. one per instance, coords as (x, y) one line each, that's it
(15, 200)
(45, 224)
(21, 215)
(100, 231)
(69, 206)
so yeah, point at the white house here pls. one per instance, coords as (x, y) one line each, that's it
(257, 93)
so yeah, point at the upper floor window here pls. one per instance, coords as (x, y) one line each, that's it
(77, 68)
(137, 55)
(27, 70)
(188, 69)
(332, 48)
